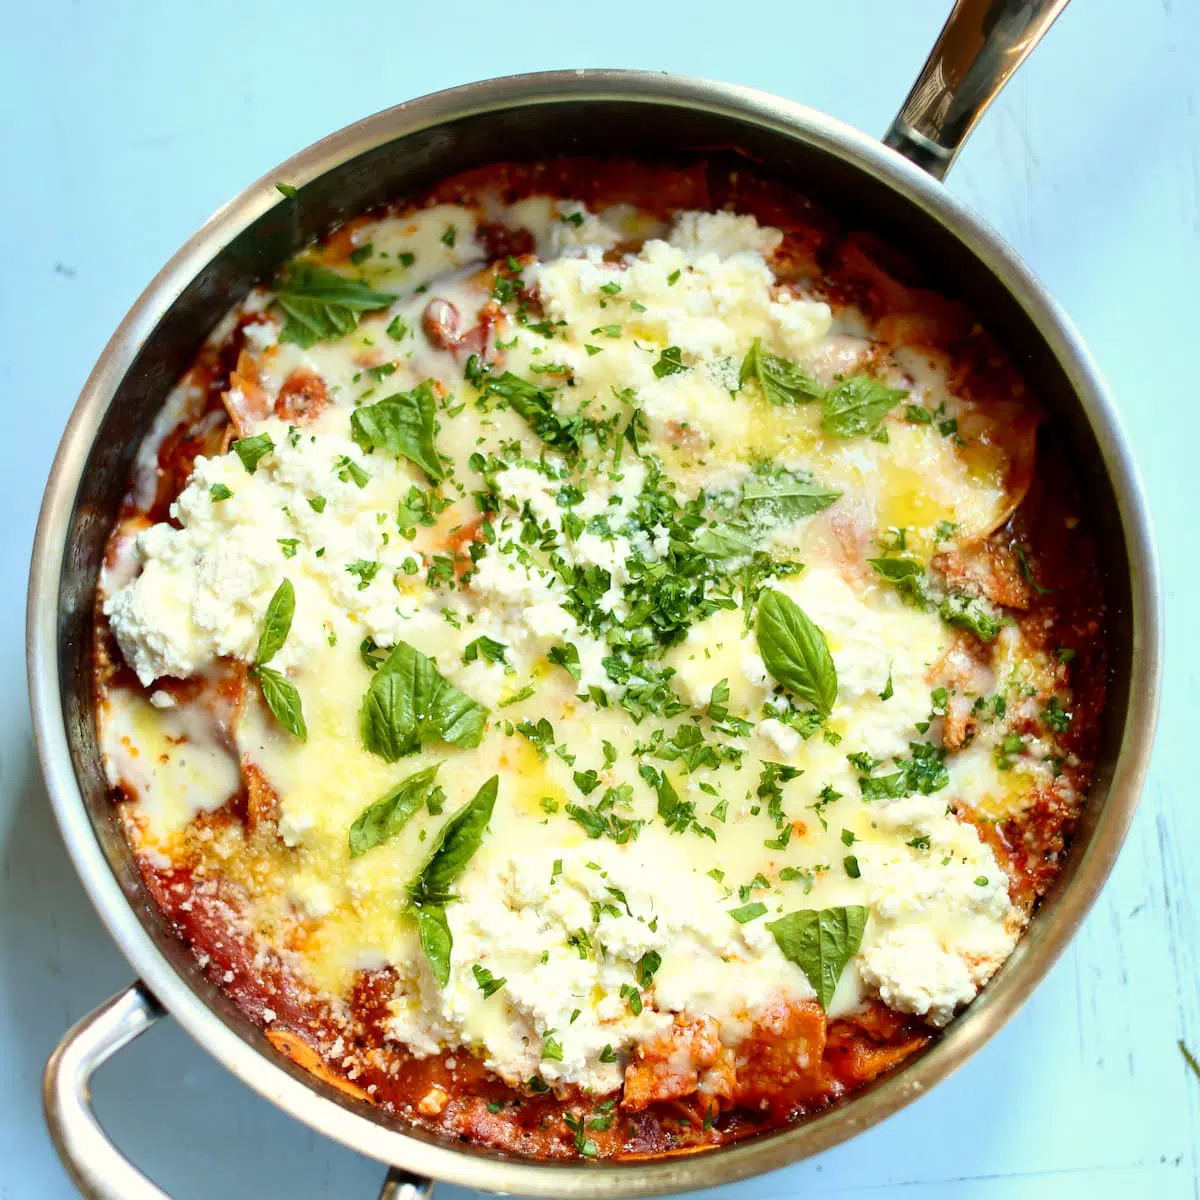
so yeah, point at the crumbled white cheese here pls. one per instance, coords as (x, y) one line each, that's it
(198, 597)
(723, 234)
(594, 551)
(785, 739)
(524, 485)
(576, 230)
(710, 296)
(204, 587)
(914, 974)
(261, 335)
(518, 920)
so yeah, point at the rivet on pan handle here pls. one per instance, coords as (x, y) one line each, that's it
(98, 1169)
(401, 1185)
(982, 43)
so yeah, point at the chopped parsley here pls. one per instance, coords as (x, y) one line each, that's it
(487, 983)
(670, 362)
(748, 912)
(363, 571)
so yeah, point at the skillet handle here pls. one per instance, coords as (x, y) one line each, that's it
(982, 43)
(97, 1168)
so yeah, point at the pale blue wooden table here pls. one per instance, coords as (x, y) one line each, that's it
(123, 125)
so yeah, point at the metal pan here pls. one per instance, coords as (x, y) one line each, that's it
(890, 189)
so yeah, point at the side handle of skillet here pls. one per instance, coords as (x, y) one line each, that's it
(982, 43)
(97, 1168)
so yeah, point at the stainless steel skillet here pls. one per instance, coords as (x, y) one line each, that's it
(871, 186)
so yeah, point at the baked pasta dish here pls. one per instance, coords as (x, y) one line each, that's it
(599, 660)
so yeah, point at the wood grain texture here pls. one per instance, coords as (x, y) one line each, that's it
(125, 125)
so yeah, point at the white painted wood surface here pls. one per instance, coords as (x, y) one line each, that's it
(123, 125)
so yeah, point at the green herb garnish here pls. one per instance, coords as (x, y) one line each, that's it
(387, 816)
(821, 942)
(795, 652)
(321, 304)
(409, 704)
(402, 424)
(782, 381)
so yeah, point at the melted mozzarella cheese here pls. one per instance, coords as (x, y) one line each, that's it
(563, 918)
(170, 757)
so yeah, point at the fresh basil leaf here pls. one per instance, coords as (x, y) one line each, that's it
(219, 492)
(857, 405)
(252, 449)
(795, 652)
(385, 818)
(784, 498)
(286, 189)
(408, 704)
(670, 362)
(535, 405)
(457, 841)
(821, 942)
(436, 939)
(724, 541)
(906, 575)
(782, 381)
(403, 424)
(277, 623)
(321, 304)
(282, 699)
